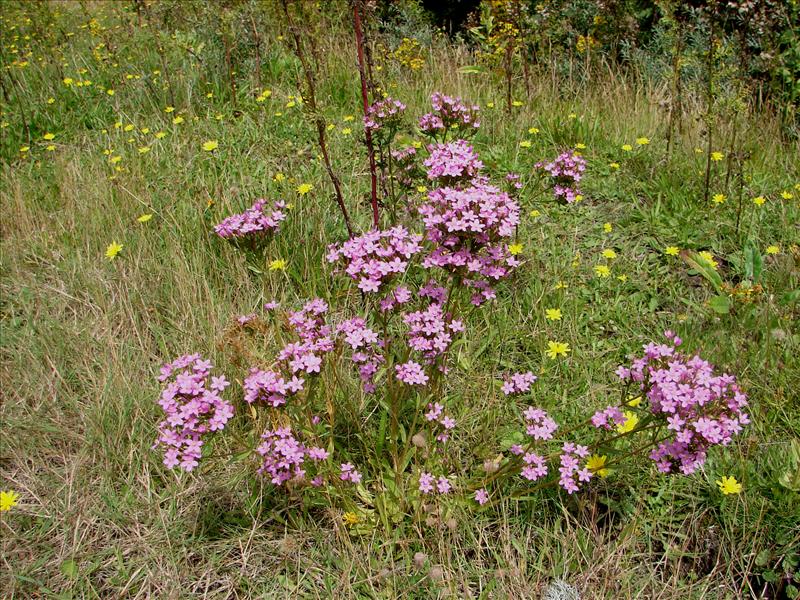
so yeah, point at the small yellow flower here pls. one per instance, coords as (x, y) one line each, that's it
(129, 127)
(560, 286)
(623, 278)
(210, 145)
(209, 95)
(160, 135)
(49, 136)
(708, 258)
(773, 249)
(525, 144)
(8, 500)
(110, 92)
(572, 116)
(634, 402)
(607, 227)
(719, 198)
(627, 147)
(642, 141)
(553, 314)
(115, 159)
(144, 149)
(304, 188)
(614, 165)
(350, 519)
(717, 156)
(602, 271)
(515, 249)
(348, 118)
(169, 109)
(177, 120)
(67, 80)
(417, 144)
(597, 464)
(112, 250)
(631, 421)
(533, 130)
(729, 485)
(51, 100)
(277, 265)
(278, 177)
(50, 148)
(516, 103)
(786, 195)
(534, 213)
(556, 349)
(24, 149)
(145, 130)
(145, 218)
(490, 105)
(422, 189)
(672, 251)
(759, 200)
(609, 254)
(580, 146)
(346, 131)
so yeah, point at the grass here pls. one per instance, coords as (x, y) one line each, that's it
(83, 336)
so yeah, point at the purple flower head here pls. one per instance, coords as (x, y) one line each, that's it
(453, 163)
(255, 221)
(449, 114)
(565, 172)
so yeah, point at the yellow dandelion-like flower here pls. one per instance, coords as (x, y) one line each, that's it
(533, 130)
(773, 249)
(304, 188)
(708, 258)
(49, 136)
(169, 109)
(631, 421)
(515, 249)
(525, 144)
(729, 485)
(609, 254)
(8, 500)
(113, 249)
(597, 464)
(177, 120)
(787, 195)
(145, 218)
(534, 213)
(144, 149)
(580, 146)
(759, 200)
(614, 165)
(717, 156)
(346, 131)
(627, 147)
(607, 227)
(129, 127)
(672, 251)
(50, 148)
(277, 265)
(553, 314)
(556, 349)
(602, 270)
(642, 141)
(719, 198)
(210, 145)
(160, 135)
(110, 92)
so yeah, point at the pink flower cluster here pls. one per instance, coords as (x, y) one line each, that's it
(283, 456)
(449, 114)
(453, 163)
(436, 414)
(401, 295)
(518, 383)
(470, 228)
(373, 258)
(431, 331)
(411, 373)
(366, 346)
(349, 473)
(701, 408)
(608, 418)
(273, 387)
(406, 167)
(566, 172)
(384, 114)
(427, 482)
(256, 220)
(572, 474)
(193, 409)
(535, 466)
(538, 424)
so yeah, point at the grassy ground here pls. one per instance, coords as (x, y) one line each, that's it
(83, 336)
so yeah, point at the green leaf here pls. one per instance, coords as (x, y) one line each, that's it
(720, 304)
(699, 264)
(70, 568)
(472, 69)
(753, 262)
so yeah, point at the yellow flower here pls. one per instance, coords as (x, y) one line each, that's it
(572, 116)
(350, 519)
(560, 286)
(417, 144)
(278, 177)
(729, 485)
(717, 156)
(718, 198)
(786, 195)
(627, 147)
(533, 130)
(672, 251)
(614, 165)
(24, 149)
(112, 250)
(129, 127)
(209, 95)
(277, 265)
(422, 189)
(51, 100)
(631, 421)
(580, 146)
(347, 131)
(50, 148)
(709, 259)
(525, 144)
(515, 249)
(8, 500)
(145, 130)
(110, 92)
(602, 271)
(144, 149)
(623, 278)
(642, 141)
(160, 135)
(635, 401)
(609, 254)
(556, 349)
(169, 109)
(553, 314)
(490, 105)
(67, 80)
(534, 213)
(115, 159)
(607, 227)
(597, 464)
(759, 200)
(773, 249)
(516, 103)
(348, 118)
(210, 145)
(145, 218)
(304, 188)
(177, 120)
(49, 136)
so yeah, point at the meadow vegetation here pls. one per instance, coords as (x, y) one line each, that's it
(436, 345)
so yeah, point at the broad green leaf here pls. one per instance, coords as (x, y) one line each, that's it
(699, 264)
(720, 304)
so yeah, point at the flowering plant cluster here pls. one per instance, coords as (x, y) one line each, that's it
(193, 408)
(449, 114)
(406, 165)
(453, 163)
(255, 221)
(566, 172)
(283, 457)
(386, 114)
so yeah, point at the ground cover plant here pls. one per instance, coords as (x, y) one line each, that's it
(314, 300)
